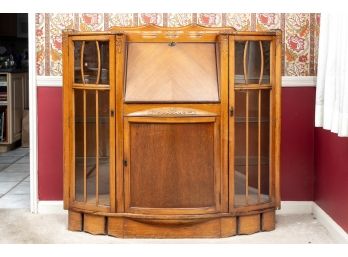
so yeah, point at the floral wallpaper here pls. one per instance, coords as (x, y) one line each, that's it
(300, 37)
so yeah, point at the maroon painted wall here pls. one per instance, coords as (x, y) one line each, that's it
(297, 145)
(331, 184)
(50, 138)
(297, 160)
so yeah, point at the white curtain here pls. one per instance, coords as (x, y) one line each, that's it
(331, 110)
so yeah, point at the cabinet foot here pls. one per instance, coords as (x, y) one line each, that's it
(268, 221)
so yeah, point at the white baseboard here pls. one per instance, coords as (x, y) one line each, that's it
(335, 230)
(287, 207)
(295, 207)
(51, 207)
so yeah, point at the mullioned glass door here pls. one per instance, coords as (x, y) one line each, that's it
(252, 116)
(93, 114)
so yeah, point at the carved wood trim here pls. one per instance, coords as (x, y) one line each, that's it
(118, 44)
(172, 112)
(189, 29)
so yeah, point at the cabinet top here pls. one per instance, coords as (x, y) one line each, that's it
(7, 71)
(155, 30)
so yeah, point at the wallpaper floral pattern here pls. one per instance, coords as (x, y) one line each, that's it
(300, 37)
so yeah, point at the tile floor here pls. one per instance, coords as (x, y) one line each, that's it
(14, 179)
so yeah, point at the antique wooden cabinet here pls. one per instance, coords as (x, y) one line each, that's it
(171, 132)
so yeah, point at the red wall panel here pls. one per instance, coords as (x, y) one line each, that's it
(297, 159)
(331, 184)
(297, 145)
(50, 140)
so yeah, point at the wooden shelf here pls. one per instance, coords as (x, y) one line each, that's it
(104, 199)
(253, 160)
(91, 119)
(250, 119)
(252, 87)
(253, 199)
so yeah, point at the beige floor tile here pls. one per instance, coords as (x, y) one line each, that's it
(22, 188)
(6, 186)
(13, 176)
(17, 167)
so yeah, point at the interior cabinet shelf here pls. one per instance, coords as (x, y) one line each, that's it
(245, 87)
(250, 119)
(103, 119)
(252, 160)
(254, 199)
(169, 133)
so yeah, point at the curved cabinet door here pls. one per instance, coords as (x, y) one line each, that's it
(92, 121)
(252, 126)
(171, 164)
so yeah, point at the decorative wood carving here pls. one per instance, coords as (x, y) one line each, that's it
(193, 30)
(118, 45)
(172, 112)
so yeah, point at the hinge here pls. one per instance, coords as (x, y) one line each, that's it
(231, 111)
(112, 113)
(220, 197)
(125, 163)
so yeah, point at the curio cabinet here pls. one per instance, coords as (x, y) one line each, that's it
(171, 132)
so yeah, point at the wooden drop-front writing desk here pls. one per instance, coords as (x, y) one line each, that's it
(171, 132)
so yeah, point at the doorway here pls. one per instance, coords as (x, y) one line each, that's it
(14, 111)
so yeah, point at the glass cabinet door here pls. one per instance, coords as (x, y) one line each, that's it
(252, 151)
(92, 105)
(91, 62)
(252, 62)
(252, 117)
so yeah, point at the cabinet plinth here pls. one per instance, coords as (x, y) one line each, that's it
(141, 226)
(171, 132)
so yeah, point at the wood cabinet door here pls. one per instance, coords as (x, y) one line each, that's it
(172, 164)
(90, 101)
(254, 125)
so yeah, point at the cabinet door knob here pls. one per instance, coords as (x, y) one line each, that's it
(231, 111)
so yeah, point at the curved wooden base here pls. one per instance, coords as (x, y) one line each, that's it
(128, 226)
